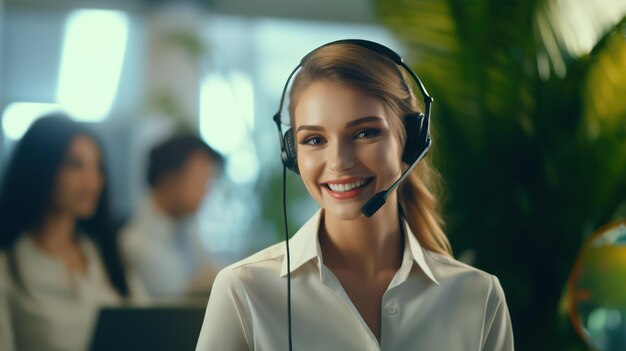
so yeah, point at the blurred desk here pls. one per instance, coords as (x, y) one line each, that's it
(165, 325)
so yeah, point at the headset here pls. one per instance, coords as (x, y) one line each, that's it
(418, 143)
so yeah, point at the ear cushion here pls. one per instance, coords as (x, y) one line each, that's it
(290, 159)
(416, 135)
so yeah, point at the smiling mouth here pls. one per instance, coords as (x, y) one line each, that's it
(340, 188)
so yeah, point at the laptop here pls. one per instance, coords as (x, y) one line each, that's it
(148, 328)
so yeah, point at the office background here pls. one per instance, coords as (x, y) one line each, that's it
(529, 115)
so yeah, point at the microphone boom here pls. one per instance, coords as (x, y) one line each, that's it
(378, 200)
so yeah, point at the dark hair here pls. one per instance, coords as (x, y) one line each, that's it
(27, 191)
(172, 154)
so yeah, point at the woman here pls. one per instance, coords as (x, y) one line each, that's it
(388, 281)
(58, 261)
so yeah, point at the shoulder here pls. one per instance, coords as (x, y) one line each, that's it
(3, 266)
(5, 276)
(264, 263)
(449, 270)
(132, 227)
(446, 266)
(133, 236)
(260, 259)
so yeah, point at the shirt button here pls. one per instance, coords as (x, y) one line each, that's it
(391, 309)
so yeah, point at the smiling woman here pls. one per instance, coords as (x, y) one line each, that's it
(346, 149)
(386, 280)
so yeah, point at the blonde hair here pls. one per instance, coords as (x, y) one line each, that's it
(378, 76)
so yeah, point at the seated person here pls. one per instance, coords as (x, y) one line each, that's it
(58, 255)
(161, 241)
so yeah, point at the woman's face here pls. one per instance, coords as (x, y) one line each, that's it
(346, 149)
(79, 180)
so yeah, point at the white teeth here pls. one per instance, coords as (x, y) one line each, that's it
(342, 188)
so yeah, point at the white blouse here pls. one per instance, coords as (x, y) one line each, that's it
(433, 303)
(167, 255)
(59, 310)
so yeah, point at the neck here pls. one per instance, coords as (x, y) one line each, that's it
(163, 203)
(366, 244)
(56, 232)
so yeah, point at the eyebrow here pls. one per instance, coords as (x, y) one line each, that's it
(348, 125)
(305, 127)
(364, 120)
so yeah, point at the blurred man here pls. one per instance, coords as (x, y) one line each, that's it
(161, 241)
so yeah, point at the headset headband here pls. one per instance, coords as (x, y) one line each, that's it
(370, 45)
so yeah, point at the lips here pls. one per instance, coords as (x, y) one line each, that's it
(346, 188)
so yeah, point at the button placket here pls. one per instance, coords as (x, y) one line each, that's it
(389, 321)
(391, 308)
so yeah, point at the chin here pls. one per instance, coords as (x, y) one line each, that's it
(84, 213)
(344, 212)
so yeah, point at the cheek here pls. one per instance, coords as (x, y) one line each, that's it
(383, 159)
(64, 190)
(197, 192)
(66, 183)
(193, 190)
(76, 183)
(311, 166)
(308, 164)
(95, 183)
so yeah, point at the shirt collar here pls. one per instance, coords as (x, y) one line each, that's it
(416, 251)
(304, 246)
(42, 266)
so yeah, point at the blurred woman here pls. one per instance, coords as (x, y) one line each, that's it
(59, 261)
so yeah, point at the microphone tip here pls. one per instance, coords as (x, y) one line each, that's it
(374, 204)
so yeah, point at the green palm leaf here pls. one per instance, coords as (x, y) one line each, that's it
(530, 125)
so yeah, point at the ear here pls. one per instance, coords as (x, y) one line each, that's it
(415, 137)
(290, 157)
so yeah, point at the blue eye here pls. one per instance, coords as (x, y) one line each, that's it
(367, 133)
(315, 140)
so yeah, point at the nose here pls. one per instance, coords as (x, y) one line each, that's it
(341, 157)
